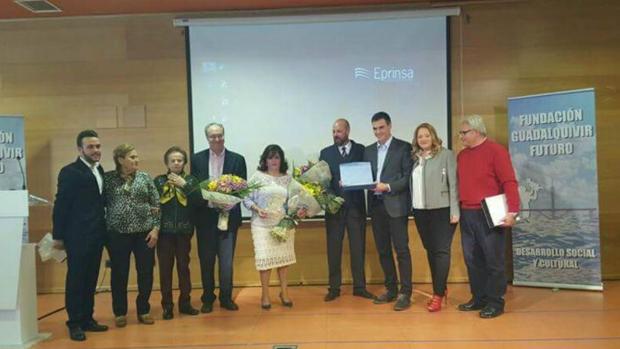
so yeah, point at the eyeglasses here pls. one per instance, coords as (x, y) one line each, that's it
(214, 137)
(463, 133)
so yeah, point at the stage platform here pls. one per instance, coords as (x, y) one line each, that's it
(534, 318)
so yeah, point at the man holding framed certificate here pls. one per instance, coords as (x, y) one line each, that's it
(352, 214)
(389, 205)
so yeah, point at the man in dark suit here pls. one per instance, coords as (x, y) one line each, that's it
(79, 227)
(389, 205)
(212, 242)
(352, 215)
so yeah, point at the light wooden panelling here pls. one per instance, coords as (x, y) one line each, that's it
(67, 75)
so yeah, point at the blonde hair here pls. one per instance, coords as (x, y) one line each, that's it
(436, 142)
(120, 152)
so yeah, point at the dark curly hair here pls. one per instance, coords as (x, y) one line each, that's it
(175, 149)
(270, 151)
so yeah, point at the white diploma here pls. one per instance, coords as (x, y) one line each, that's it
(356, 176)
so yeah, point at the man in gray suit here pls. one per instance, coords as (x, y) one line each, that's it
(389, 205)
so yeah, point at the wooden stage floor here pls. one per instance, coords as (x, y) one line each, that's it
(534, 318)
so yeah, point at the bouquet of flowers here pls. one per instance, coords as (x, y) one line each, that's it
(315, 178)
(300, 198)
(224, 193)
(308, 192)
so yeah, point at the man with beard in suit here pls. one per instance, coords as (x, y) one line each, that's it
(213, 242)
(352, 215)
(79, 228)
(389, 205)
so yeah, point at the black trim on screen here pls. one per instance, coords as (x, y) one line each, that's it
(190, 114)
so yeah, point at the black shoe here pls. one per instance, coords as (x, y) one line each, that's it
(229, 305)
(490, 312)
(94, 326)
(402, 302)
(77, 334)
(167, 314)
(471, 305)
(330, 296)
(188, 310)
(286, 303)
(385, 298)
(364, 294)
(206, 308)
(266, 306)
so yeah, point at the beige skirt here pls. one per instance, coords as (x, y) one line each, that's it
(270, 253)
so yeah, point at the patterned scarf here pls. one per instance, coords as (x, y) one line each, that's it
(169, 191)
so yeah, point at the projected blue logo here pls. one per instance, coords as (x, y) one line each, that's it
(384, 74)
(361, 73)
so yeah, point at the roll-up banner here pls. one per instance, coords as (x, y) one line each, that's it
(553, 147)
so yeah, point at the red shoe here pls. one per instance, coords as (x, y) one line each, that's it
(445, 298)
(435, 303)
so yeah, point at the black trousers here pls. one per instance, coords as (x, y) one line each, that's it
(83, 262)
(355, 224)
(392, 232)
(436, 233)
(171, 247)
(213, 243)
(120, 247)
(484, 251)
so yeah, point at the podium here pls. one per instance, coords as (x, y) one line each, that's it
(18, 294)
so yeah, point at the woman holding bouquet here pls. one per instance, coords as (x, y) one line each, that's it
(177, 192)
(268, 205)
(132, 220)
(435, 205)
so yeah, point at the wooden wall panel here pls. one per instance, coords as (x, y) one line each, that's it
(71, 74)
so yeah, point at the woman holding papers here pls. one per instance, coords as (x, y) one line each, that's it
(435, 204)
(132, 219)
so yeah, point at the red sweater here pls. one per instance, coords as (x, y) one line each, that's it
(484, 171)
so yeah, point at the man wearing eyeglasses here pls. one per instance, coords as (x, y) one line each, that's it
(212, 242)
(484, 169)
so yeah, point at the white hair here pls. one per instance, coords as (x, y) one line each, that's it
(213, 124)
(476, 123)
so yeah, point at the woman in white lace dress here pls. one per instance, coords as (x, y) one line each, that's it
(268, 208)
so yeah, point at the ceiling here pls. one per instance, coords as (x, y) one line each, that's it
(10, 10)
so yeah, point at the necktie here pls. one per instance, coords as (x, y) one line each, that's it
(344, 151)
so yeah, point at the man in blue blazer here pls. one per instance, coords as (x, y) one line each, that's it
(352, 215)
(389, 205)
(212, 242)
(79, 228)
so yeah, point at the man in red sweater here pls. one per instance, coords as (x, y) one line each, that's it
(484, 169)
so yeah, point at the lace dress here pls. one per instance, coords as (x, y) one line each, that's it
(271, 197)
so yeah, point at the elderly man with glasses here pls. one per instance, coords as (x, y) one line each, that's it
(484, 169)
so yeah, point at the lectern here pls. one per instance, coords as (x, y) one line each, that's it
(18, 294)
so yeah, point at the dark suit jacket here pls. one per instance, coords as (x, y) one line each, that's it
(354, 199)
(79, 215)
(234, 163)
(396, 172)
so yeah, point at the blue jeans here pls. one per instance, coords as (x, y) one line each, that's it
(484, 251)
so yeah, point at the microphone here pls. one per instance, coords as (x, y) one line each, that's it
(21, 170)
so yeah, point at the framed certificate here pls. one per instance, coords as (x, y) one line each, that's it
(356, 176)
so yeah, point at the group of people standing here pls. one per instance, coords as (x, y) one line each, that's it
(128, 212)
